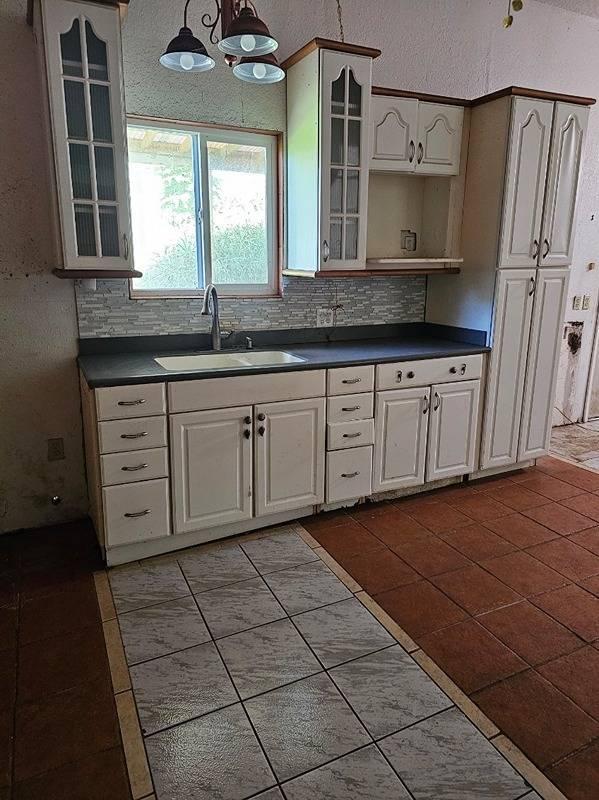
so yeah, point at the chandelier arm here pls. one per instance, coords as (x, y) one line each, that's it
(210, 23)
(185, 13)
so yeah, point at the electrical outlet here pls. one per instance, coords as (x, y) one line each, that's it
(576, 302)
(324, 317)
(586, 302)
(55, 449)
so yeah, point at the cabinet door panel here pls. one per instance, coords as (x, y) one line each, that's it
(543, 360)
(439, 139)
(290, 455)
(526, 170)
(507, 367)
(569, 128)
(211, 468)
(400, 438)
(345, 120)
(393, 133)
(453, 429)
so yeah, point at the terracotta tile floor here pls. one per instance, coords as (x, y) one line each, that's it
(59, 733)
(505, 599)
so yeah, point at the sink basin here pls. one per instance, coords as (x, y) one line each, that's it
(212, 361)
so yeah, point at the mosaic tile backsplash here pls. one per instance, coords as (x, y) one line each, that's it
(109, 311)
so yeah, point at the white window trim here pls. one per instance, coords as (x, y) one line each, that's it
(208, 132)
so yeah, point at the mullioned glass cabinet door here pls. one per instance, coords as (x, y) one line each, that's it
(345, 119)
(83, 61)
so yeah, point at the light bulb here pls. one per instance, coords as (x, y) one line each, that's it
(187, 61)
(259, 71)
(247, 42)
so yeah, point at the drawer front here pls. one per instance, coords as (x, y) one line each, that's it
(140, 465)
(404, 374)
(350, 406)
(118, 436)
(350, 434)
(136, 512)
(349, 474)
(349, 380)
(248, 390)
(122, 402)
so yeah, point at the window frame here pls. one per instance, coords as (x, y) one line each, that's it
(203, 132)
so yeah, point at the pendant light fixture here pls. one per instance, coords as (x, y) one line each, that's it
(246, 42)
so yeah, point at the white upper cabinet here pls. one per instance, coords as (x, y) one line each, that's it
(393, 133)
(569, 128)
(82, 44)
(409, 135)
(528, 150)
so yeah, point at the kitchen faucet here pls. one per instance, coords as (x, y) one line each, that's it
(210, 307)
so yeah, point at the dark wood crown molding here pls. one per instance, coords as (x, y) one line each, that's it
(538, 94)
(101, 2)
(329, 44)
(429, 98)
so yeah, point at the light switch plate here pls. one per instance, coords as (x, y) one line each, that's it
(324, 317)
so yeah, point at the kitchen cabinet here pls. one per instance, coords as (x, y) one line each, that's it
(83, 64)
(452, 429)
(290, 455)
(328, 128)
(400, 438)
(211, 465)
(410, 135)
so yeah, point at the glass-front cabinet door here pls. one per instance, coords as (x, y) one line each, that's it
(83, 61)
(345, 118)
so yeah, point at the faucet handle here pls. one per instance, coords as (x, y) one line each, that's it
(249, 342)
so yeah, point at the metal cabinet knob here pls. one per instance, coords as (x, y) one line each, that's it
(247, 433)
(261, 430)
(261, 417)
(410, 374)
(248, 420)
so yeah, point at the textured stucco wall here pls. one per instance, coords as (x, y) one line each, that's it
(39, 398)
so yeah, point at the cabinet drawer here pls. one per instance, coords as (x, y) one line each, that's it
(121, 402)
(427, 371)
(136, 512)
(350, 406)
(348, 380)
(349, 474)
(350, 434)
(117, 436)
(140, 465)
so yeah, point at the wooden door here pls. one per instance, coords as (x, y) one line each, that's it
(567, 140)
(211, 468)
(543, 359)
(507, 367)
(526, 171)
(439, 139)
(401, 421)
(290, 455)
(453, 429)
(394, 129)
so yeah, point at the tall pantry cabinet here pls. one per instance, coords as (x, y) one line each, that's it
(518, 233)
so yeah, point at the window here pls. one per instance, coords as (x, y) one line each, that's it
(203, 210)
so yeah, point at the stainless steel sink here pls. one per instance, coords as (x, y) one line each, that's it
(215, 361)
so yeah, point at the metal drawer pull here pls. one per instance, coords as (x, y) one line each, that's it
(139, 402)
(351, 408)
(134, 435)
(427, 404)
(351, 435)
(352, 380)
(420, 153)
(350, 474)
(533, 286)
(412, 150)
(437, 401)
(399, 375)
(535, 252)
(134, 469)
(133, 514)
(547, 247)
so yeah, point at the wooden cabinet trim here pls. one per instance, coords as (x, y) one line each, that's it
(329, 44)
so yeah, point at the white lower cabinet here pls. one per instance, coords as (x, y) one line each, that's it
(211, 467)
(400, 438)
(349, 474)
(290, 455)
(452, 429)
(136, 512)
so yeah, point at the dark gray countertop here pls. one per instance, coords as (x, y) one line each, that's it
(120, 368)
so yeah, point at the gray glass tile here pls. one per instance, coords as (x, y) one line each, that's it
(141, 585)
(306, 586)
(342, 631)
(266, 657)
(304, 725)
(210, 568)
(216, 757)
(280, 551)
(447, 758)
(363, 775)
(180, 686)
(388, 691)
(165, 628)
(235, 608)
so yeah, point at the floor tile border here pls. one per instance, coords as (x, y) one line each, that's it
(522, 764)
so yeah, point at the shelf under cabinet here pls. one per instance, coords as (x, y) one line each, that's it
(387, 272)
